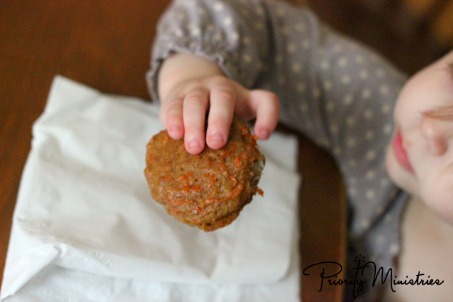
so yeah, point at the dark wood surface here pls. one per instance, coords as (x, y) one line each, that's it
(106, 45)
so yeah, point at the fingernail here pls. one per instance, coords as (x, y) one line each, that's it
(216, 138)
(263, 134)
(194, 145)
(174, 131)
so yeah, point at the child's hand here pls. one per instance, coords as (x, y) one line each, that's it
(190, 87)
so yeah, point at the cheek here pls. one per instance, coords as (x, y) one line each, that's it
(399, 175)
(410, 103)
(390, 165)
(404, 103)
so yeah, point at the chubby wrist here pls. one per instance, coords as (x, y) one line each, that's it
(182, 67)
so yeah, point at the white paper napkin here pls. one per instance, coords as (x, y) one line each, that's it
(86, 229)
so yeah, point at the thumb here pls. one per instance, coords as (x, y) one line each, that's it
(263, 105)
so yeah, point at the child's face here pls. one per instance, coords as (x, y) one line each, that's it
(420, 155)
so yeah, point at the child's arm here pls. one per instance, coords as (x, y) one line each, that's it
(189, 86)
(330, 88)
(228, 50)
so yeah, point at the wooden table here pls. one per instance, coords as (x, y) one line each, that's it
(106, 45)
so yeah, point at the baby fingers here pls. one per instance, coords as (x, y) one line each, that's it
(171, 115)
(265, 106)
(196, 104)
(183, 114)
(222, 101)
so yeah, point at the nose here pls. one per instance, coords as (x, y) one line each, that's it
(436, 133)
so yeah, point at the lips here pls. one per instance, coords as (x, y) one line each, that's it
(400, 152)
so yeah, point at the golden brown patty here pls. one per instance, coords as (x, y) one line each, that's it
(207, 190)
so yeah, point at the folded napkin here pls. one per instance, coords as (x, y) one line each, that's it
(86, 229)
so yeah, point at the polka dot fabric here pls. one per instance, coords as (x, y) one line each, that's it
(334, 90)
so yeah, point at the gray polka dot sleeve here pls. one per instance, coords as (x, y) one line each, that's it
(333, 90)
